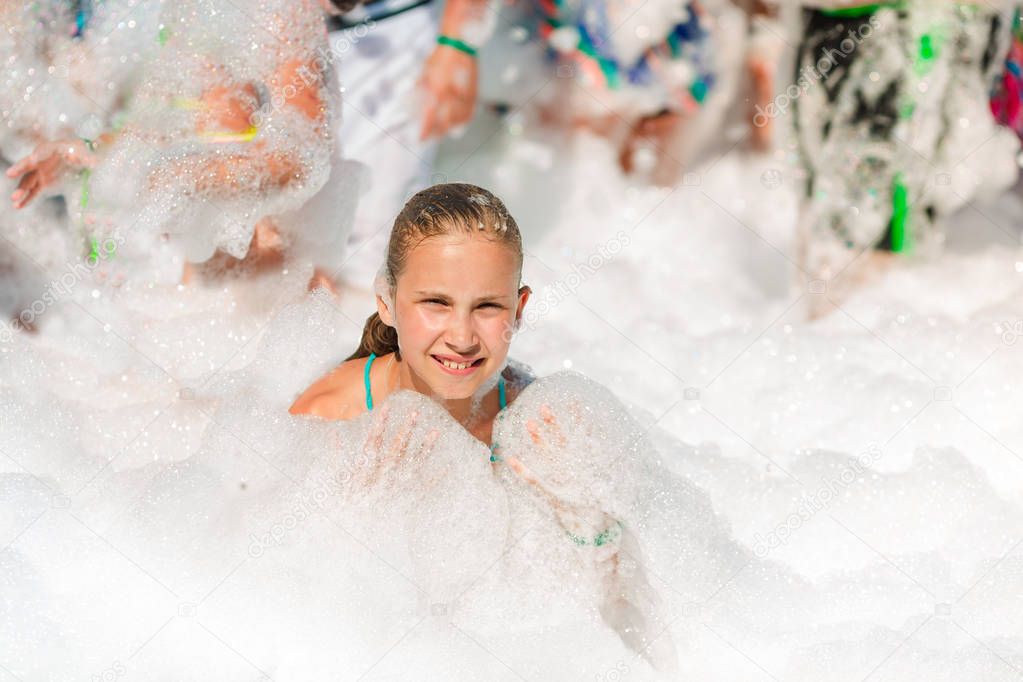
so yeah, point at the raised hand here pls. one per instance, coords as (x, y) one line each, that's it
(547, 438)
(45, 166)
(449, 83)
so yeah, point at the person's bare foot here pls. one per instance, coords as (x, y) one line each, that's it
(321, 279)
(859, 273)
(266, 250)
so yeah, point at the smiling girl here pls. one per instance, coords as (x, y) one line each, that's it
(448, 298)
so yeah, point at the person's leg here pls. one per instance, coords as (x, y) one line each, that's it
(1007, 101)
(379, 70)
(972, 156)
(851, 74)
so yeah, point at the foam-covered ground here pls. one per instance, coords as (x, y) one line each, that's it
(829, 500)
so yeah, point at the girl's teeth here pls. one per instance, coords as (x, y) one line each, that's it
(455, 365)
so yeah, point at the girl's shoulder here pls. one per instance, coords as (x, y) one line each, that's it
(339, 395)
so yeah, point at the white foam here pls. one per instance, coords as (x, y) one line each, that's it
(165, 518)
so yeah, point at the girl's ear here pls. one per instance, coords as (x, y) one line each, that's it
(384, 311)
(524, 292)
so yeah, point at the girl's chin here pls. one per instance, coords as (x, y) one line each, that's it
(454, 388)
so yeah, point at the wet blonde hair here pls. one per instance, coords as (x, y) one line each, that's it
(451, 208)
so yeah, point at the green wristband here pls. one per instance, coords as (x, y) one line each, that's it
(459, 45)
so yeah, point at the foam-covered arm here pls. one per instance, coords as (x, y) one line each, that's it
(576, 448)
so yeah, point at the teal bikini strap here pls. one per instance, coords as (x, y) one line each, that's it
(82, 10)
(503, 400)
(365, 377)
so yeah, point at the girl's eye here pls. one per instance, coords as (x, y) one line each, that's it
(435, 300)
(491, 305)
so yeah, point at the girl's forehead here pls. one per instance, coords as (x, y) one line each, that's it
(460, 259)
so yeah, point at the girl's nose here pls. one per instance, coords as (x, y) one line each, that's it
(462, 338)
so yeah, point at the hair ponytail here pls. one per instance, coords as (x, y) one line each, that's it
(377, 338)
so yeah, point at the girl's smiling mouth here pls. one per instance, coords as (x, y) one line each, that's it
(453, 365)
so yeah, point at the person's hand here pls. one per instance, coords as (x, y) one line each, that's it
(547, 437)
(548, 466)
(394, 443)
(44, 166)
(449, 83)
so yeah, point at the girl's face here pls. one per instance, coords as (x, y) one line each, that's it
(454, 306)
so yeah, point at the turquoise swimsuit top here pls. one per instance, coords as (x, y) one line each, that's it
(500, 395)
